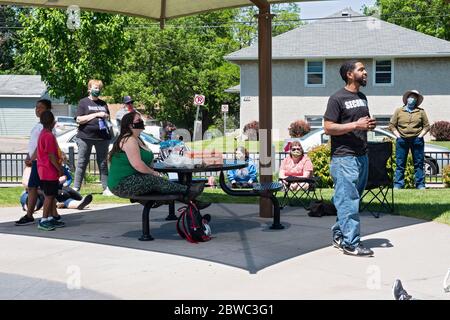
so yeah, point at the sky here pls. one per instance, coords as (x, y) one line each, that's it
(321, 9)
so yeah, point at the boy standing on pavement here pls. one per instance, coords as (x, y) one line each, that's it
(49, 163)
(34, 181)
(347, 120)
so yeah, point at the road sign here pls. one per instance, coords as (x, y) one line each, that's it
(224, 108)
(199, 100)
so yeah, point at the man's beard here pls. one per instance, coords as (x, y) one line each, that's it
(362, 81)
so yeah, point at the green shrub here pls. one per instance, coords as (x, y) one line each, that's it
(446, 176)
(320, 157)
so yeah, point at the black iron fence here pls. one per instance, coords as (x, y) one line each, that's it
(12, 165)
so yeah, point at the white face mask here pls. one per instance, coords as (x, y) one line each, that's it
(240, 155)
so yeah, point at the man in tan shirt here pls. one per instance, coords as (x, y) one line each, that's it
(409, 124)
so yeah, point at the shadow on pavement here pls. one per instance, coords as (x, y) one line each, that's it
(241, 238)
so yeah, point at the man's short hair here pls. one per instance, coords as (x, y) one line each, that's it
(93, 82)
(47, 118)
(347, 66)
(47, 103)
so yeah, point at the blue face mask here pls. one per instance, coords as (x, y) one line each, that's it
(411, 101)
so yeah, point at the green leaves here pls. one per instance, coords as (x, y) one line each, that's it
(431, 17)
(67, 59)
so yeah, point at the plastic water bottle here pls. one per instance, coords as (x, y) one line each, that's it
(102, 124)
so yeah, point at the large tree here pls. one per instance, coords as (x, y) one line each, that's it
(9, 41)
(431, 17)
(67, 58)
(165, 68)
(287, 17)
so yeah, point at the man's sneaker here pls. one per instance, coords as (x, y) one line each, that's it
(399, 292)
(358, 251)
(25, 220)
(46, 226)
(107, 193)
(337, 243)
(57, 223)
(57, 218)
(84, 202)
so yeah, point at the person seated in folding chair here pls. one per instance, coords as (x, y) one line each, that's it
(296, 164)
(245, 177)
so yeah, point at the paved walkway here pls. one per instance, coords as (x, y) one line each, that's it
(97, 256)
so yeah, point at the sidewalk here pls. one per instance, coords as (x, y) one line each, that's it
(98, 252)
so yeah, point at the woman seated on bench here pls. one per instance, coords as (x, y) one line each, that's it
(297, 164)
(131, 172)
(245, 177)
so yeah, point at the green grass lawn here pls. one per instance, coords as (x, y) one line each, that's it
(431, 204)
(230, 144)
(445, 144)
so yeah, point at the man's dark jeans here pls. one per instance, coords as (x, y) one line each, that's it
(402, 147)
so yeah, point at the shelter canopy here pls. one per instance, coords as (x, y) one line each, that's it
(154, 9)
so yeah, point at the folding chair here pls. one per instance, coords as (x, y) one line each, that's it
(380, 182)
(302, 196)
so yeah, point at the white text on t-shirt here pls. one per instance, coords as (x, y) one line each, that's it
(355, 103)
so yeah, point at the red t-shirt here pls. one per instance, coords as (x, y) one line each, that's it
(47, 144)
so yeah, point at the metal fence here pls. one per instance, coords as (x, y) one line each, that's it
(12, 165)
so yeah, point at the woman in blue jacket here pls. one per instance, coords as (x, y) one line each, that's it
(245, 177)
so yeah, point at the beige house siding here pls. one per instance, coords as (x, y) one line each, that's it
(292, 100)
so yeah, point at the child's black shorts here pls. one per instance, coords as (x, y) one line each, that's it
(50, 188)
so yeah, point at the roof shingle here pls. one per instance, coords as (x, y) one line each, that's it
(356, 36)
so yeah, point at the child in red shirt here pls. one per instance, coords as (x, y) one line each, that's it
(49, 168)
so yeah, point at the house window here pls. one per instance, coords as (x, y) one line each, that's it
(315, 73)
(314, 121)
(384, 70)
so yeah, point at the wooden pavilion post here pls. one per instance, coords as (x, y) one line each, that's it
(265, 100)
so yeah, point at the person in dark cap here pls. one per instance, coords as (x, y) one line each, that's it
(127, 107)
(410, 123)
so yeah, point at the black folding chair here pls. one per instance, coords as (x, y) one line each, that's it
(379, 186)
(301, 196)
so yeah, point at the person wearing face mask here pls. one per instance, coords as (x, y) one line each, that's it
(131, 172)
(297, 164)
(410, 123)
(245, 177)
(93, 130)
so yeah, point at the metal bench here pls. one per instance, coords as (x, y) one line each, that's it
(172, 216)
(148, 201)
(265, 190)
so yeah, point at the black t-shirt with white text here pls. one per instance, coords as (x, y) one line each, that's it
(91, 129)
(345, 107)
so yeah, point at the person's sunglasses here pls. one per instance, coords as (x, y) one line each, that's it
(298, 149)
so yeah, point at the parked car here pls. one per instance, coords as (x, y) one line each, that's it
(317, 137)
(64, 123)
(68, 139)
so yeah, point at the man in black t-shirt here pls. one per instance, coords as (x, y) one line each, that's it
(347, 120)
(93, 130)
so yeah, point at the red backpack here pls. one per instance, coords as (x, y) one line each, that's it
(192, 226)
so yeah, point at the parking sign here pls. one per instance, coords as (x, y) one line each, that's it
(199, 100)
